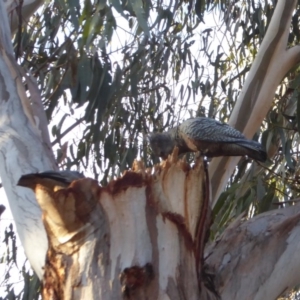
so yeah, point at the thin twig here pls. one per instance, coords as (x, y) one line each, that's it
(67, 131)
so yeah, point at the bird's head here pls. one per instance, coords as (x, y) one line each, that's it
(162, 144)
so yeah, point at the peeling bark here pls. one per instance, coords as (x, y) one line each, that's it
(137, 238)
(257, 259)
(142, 236)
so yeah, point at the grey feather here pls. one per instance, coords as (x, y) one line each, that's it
(210, 130)
(210, 137)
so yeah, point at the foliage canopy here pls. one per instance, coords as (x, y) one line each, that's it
(112, 71)
(121, 69)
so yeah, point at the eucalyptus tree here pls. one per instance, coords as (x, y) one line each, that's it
(105, 74)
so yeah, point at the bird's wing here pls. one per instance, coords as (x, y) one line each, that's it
(62, 178)
(66, 176)
(209, 130)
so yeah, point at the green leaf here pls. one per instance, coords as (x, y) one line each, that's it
(288, 156)
(118, 7)
(137, 6)
(74, 6)
(266, 202)
(298, 111)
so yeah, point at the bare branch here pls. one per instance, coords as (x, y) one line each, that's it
(271, 64)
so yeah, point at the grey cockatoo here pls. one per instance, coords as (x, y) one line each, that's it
(210, 137)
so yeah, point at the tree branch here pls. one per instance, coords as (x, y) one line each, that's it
(67, 131)
(270, 66)
(21, 151)
(256, 259)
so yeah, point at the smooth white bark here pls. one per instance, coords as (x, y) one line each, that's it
(22, 150)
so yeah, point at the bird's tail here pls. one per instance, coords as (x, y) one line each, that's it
(255, 150)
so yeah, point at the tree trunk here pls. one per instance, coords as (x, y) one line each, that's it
(22, 150)
(140, 237)
(257, 259)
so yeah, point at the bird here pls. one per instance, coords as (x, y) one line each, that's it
(53, 179)
(209, 137)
